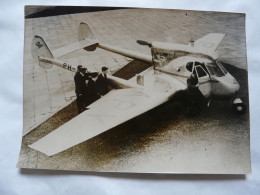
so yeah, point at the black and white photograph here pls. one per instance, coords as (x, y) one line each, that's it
(137, 90)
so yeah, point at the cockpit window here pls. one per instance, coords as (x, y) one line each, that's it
(200, 71)
(215, 70)
(222, 67)
(189, 66)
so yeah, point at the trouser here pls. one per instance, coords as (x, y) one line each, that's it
(91, 98)
(196, 101)
(81, 103)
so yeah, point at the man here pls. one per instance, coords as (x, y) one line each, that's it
(102, 82)
(92, 95)
(196, 100)
(81, 88)
(192, 82)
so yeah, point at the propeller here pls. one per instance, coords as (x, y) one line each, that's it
(144, 43)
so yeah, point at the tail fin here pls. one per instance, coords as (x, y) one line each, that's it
(40, 49)
(85, 33)
(210, 41)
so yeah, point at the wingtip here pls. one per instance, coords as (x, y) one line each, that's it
(32, 146)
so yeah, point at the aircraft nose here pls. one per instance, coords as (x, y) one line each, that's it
(235, 85)
(235, 81)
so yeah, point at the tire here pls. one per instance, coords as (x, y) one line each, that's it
(239, 108)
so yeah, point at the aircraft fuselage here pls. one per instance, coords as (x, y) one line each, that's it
(213, 79)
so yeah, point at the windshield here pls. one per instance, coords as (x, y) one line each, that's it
(222, 67)
(216, 70)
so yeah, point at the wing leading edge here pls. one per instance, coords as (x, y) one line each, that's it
(116, 107)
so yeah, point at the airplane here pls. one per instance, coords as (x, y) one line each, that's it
(171, 66)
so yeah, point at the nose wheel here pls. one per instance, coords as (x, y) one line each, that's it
(238, 106)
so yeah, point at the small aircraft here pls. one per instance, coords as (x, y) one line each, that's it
(172, 64)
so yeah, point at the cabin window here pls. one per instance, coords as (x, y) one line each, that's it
(200, 71)
(189, 66)
(215, 70)
(222, 67)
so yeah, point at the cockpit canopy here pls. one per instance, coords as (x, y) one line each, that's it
(214, 68)
(180, 62)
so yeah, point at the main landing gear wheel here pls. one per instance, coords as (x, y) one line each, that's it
(238, 106)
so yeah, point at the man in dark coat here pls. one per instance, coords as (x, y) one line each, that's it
(81, 88)
(196, 100)
(92, 88)
(102, 82)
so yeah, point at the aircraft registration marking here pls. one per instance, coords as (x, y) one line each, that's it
(68, 66)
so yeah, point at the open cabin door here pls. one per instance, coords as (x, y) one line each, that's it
(203, 81)
(162, 57)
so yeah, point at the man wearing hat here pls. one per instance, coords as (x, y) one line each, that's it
(80, 79)
(102, 83)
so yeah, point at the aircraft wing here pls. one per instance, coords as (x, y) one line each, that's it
(111, 110)
(127, 53)
(210, 41)
(90, 45)
(86, 33)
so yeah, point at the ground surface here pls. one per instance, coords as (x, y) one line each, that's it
(162, 140)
